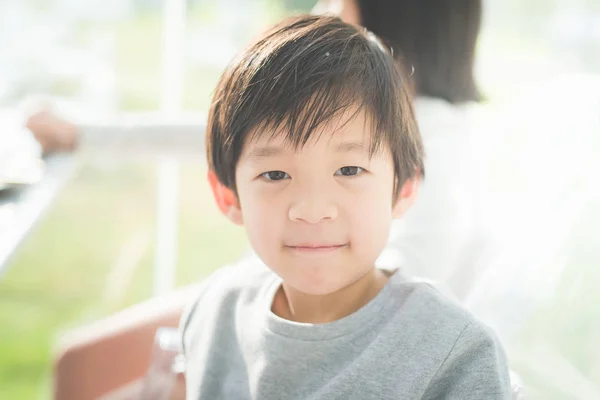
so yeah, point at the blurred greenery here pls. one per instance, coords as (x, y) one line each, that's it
(58, 279)
(101, 212)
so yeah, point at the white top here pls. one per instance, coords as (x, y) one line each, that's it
(442, 236)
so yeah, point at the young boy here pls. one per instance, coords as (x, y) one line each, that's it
(313, 147)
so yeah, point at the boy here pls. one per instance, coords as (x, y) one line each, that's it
(313, 148)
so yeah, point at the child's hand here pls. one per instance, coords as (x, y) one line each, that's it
(52, 132)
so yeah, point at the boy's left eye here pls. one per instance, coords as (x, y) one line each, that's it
(349, 171)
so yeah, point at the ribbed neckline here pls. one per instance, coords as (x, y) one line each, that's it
(325, 331)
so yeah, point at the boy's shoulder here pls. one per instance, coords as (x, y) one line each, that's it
(429, 307)
(460, 350)
(243, 278)
(222, 290)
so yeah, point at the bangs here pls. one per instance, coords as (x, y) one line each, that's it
(298, 86)
(298, 120)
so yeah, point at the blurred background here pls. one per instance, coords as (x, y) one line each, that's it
(94, 250)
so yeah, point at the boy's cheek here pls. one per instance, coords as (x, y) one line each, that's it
(264, 236)
(261, 216)
(372, 215)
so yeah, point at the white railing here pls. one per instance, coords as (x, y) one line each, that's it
(168, 176)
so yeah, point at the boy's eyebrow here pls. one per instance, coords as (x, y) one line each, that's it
(264, 152)
(270, 151)
(350, 146)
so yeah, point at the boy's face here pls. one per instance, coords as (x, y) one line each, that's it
(319, 216)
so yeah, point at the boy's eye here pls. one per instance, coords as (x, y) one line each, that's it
(349, 171)
(275, 175)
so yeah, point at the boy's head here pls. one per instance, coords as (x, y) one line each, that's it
(313, 146)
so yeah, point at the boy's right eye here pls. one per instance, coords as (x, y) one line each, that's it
(275, 175)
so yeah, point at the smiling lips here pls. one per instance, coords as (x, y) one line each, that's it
(308, 248)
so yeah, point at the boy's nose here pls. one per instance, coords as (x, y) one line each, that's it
(313, 208)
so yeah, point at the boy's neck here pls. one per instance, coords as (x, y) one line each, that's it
(296, 306)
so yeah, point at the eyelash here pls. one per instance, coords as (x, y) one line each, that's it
(265, 175)
(359, 170)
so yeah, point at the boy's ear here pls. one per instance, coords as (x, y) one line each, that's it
(407, 196)
(225, 199)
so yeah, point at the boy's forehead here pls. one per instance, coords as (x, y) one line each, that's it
(349, 131)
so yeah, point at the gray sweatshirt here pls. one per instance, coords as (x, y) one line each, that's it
(409, 342)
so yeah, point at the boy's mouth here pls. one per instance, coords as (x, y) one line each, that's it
(315, 247)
